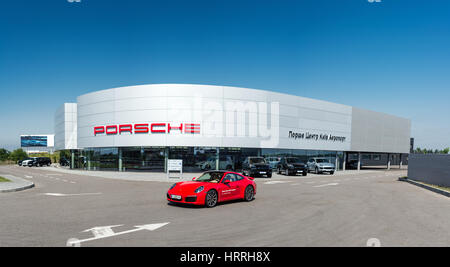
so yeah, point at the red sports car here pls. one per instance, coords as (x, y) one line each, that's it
(213, 187)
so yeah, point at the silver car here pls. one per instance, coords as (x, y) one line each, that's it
(320, 165)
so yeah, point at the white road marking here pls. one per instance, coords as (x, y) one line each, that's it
(28, 176)
(69, 195)
(373, 242)
(322, 185)
(106, 231)
(277, 182)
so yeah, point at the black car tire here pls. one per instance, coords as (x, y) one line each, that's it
(331, 173)
(305, 173)
(211, 199)
(269, 175)
(249, 194)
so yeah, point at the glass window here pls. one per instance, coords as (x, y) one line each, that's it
(231, 176)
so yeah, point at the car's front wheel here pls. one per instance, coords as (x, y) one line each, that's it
(249, 193)
(211, 199)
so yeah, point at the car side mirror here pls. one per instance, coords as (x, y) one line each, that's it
(227, 181)
(193, 179)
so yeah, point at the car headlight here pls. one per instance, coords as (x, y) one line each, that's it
(198, 190)
(172, 186)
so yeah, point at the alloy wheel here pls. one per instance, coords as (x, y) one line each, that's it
(249, 193)
(211, 199)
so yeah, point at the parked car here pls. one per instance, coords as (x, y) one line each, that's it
(225, 163)
(19, 162)
(352, 164)
(38, 162)
(273, 162)
(27, 162)
(64, 162)
(292, 166)
(321, 165)
(211, 188)
(256, 166)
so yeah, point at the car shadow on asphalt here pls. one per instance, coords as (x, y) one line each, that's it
(192, 206)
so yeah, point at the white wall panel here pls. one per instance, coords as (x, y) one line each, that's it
(213, 107)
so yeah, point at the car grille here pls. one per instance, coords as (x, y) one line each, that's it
(262, 168)
(191, 199)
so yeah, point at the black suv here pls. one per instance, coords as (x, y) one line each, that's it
(292, 166)
(41, 161)
(64, 162)
(256, 166)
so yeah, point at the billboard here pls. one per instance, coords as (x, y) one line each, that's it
(34, 141)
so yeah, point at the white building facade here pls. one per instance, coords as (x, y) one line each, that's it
(140, 127)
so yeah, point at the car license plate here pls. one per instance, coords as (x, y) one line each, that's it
(299, 171)
(262, 172)
(177, 197)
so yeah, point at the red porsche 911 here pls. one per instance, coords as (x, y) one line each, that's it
(213, 187)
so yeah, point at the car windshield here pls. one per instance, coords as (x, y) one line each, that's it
(210, 177)
(257, 160)
(293, 160)
(322, 161)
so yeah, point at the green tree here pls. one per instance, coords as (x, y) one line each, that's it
(446, 150)
(4, 154)
(18, 154)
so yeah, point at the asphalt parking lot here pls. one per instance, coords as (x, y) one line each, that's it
(345, 209)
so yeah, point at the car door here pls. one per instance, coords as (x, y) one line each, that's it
(245, 165)
(281, 164)
(310, 164)
(231, 190)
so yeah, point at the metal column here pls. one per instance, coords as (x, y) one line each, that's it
(120, 159)
(217, 158)
(72, 160)
(389, 162)
(359, 161)
(345, 161)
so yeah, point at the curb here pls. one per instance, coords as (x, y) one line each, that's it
(436, 190)
(17, 188)
(16, 184)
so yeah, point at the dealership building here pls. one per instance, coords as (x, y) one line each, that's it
(217, 127)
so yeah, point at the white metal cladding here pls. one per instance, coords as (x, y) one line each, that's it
(66, 127)
(379, 132)
(229, 117)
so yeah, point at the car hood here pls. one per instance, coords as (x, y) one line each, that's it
(260, 164)
(189, 187)
(325, 165)
(300, 165)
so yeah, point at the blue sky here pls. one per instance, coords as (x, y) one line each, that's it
(392, 56)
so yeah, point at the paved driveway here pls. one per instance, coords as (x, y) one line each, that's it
(345, 209)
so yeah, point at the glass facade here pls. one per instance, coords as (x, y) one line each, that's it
(195, 159)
